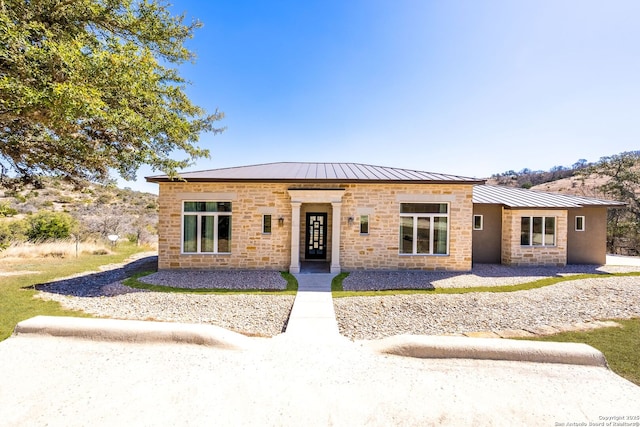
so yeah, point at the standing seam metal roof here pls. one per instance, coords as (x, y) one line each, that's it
(522, 198)
(316, 172)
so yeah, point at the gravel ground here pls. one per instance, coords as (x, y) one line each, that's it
(481, 275)
(557, 305)
(199, 279)
(103, 294)
(256, 315)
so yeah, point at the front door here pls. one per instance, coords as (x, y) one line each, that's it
(316, 236)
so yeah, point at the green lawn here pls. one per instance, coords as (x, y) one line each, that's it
(16, 297)
(621, 346)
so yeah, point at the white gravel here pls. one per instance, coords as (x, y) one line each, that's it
(369, 317)
(557, 306)
(254, 315)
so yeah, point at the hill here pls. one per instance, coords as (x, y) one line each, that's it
(100, 209)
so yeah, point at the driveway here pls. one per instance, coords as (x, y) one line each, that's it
(288, 380)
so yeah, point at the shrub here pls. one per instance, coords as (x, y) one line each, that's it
(11, 232)
(46, 225)
(6, 210)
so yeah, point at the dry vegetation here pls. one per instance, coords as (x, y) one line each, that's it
(58, 249)
(99, 209)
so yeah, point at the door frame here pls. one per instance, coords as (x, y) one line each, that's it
(322, 235)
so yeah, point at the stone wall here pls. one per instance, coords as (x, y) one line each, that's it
(250, 249)
(513, 253)
(380, 248)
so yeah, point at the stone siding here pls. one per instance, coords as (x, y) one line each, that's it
(379, 250)
(513, 253)
(251, 249)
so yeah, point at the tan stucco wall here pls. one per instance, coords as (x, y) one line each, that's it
(487, 243)
(378, 250)
(515, 254)
(588, 246)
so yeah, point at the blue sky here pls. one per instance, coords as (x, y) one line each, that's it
(463, 87)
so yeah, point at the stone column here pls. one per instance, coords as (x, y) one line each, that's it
(335, 237)
(294, 268)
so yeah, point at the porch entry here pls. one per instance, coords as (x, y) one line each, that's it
(315, 230)
(316, 236)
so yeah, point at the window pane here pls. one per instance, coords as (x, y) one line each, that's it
(525, 229)
(364, 224)
(424, 225)
(440, 235)
(190, 206)
(579, 223)
(189, 242)
(266, 224)
(206, 234)
(406, 235)
(537, 231)
(223, 206)
(477, 222)
(224, 233)
(207, 206)
(423, 208)
(550, 231)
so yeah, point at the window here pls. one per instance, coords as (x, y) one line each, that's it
(477, 222)
(364, 224)
(206, 227)
(424, 228)
(538, 231)
(266, 224)
(580, 223)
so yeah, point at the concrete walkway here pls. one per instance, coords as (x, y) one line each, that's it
(312, 315)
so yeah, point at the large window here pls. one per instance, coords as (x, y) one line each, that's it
(206, 227)
(538, 231)
(424, 228)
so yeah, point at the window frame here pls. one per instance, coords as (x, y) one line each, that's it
(264, 224)
(432, 228)
(481, 227)
(583, 228)
(199, 215)
(366, 222)
(543, 232)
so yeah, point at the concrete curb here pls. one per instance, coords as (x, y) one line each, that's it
(436, 347)
(134, 331)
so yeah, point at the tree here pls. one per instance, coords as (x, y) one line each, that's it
(91, 85)
(622, 173)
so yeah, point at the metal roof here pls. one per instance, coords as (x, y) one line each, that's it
(522, 198)
(316, 172)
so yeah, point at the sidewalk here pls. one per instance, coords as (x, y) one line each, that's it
(312, 315)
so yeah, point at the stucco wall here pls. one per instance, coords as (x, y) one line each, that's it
(487, 243)
(253, 250)
(513, 253)
(588, 246)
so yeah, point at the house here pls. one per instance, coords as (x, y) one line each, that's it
(515, 226)
(354, 216)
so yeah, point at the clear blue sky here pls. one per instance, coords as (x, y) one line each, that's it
(462, 87)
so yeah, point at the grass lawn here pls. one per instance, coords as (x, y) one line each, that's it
(16, 299)
(619, 345)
